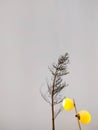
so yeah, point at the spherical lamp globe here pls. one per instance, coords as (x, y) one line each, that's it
(84, 117)
(68, 104)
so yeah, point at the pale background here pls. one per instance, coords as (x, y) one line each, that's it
(33, 33)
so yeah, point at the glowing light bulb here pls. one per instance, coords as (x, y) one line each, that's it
(68, 104)
(84, 117)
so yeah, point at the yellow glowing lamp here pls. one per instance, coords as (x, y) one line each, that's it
(84, 117)
(68, 104)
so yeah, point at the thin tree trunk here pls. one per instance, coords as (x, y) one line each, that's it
(53, 122)
(52, 96)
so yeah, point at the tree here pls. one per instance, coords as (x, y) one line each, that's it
(55, 87)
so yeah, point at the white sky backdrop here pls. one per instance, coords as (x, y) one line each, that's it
(33, 33)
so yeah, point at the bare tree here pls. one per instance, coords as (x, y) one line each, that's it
(54, 88)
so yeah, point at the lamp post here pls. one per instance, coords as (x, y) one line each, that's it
(77, 114)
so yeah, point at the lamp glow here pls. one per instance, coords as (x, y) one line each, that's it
(68, 104)
(84, 117)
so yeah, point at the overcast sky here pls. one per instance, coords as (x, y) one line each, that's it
(33, 33)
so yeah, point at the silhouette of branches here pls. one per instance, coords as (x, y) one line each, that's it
(53, 94)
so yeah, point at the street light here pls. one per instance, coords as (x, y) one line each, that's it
(82, 116)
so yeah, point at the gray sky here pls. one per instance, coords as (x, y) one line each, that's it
(33, 33)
